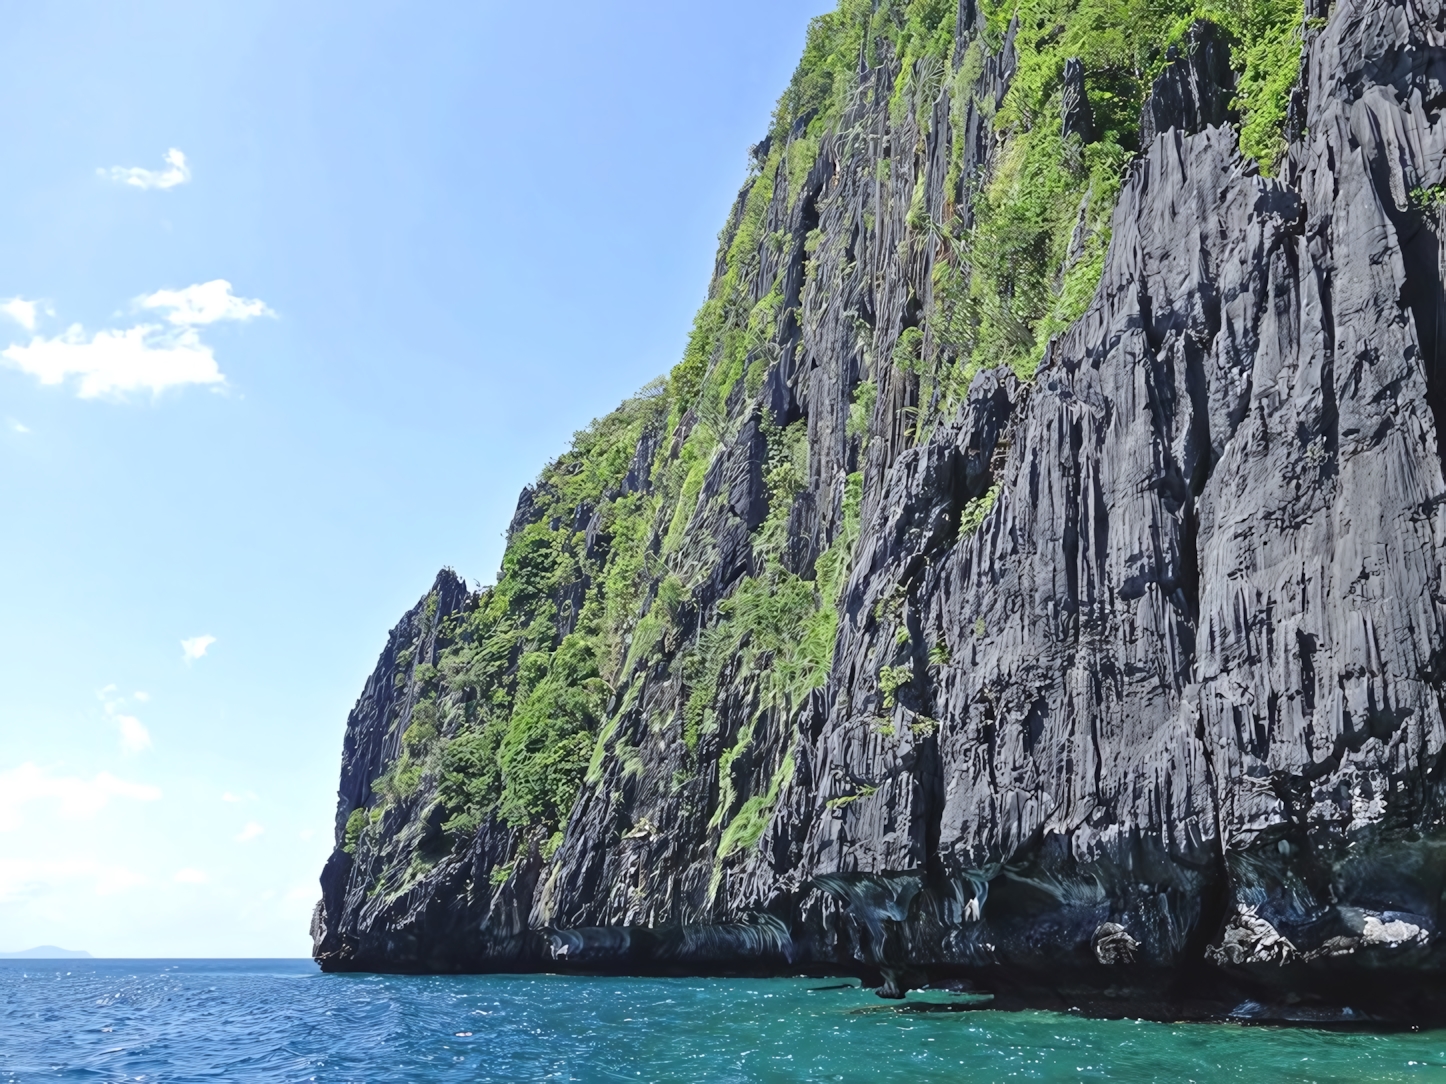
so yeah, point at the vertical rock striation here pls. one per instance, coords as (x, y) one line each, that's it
(1132, 689)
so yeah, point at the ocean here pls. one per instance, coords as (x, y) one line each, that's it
(282, 1020)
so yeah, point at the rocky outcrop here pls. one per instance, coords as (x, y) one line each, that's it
(1135, 693)
(1194, 91)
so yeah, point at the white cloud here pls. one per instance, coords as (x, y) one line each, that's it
(151, 357)
(134, 735)
(176, 173)
(77, 798)
(190, 876)
(204, 303)
(250, 832)
(115, 362)
(18, 427)
(248, 796)
(21, 311)
(195, 647)
(141, 696)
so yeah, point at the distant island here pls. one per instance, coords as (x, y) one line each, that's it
(46, 952)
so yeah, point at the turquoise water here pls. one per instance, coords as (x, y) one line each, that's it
(276, 1021)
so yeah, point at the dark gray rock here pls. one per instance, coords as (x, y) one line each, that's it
(1194, 91)
(1078, 119)
(526, 513)
(1136, 695)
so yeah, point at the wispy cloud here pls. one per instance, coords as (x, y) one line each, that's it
(23, 312)
(17, 427)
(77, 798)
(110, 363)
(246, 796)
(133, 734)
(204, 303)
(22, 877)
(250, 832)
(195, 647)
(190, 876)
(176, 172)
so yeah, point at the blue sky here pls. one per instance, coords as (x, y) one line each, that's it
(253, 395)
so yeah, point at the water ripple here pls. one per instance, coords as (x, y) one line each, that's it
(282, 1021)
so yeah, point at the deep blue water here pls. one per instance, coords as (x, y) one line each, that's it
(281, 1020)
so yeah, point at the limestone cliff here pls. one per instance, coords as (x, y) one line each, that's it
(1030, 577)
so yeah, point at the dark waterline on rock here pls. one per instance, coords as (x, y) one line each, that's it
(281, 1020)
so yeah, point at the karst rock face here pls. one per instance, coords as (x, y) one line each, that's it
(1134, 692)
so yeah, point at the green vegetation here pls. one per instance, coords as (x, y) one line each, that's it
(354, 825)
(902, 30)
(1029, 265)
(600, 596)
(843, 800)
(747, 827)
(861, 411)
(892, 679)
(972, 517)
(507, 716)
(1430, 198)
(1268, 56)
